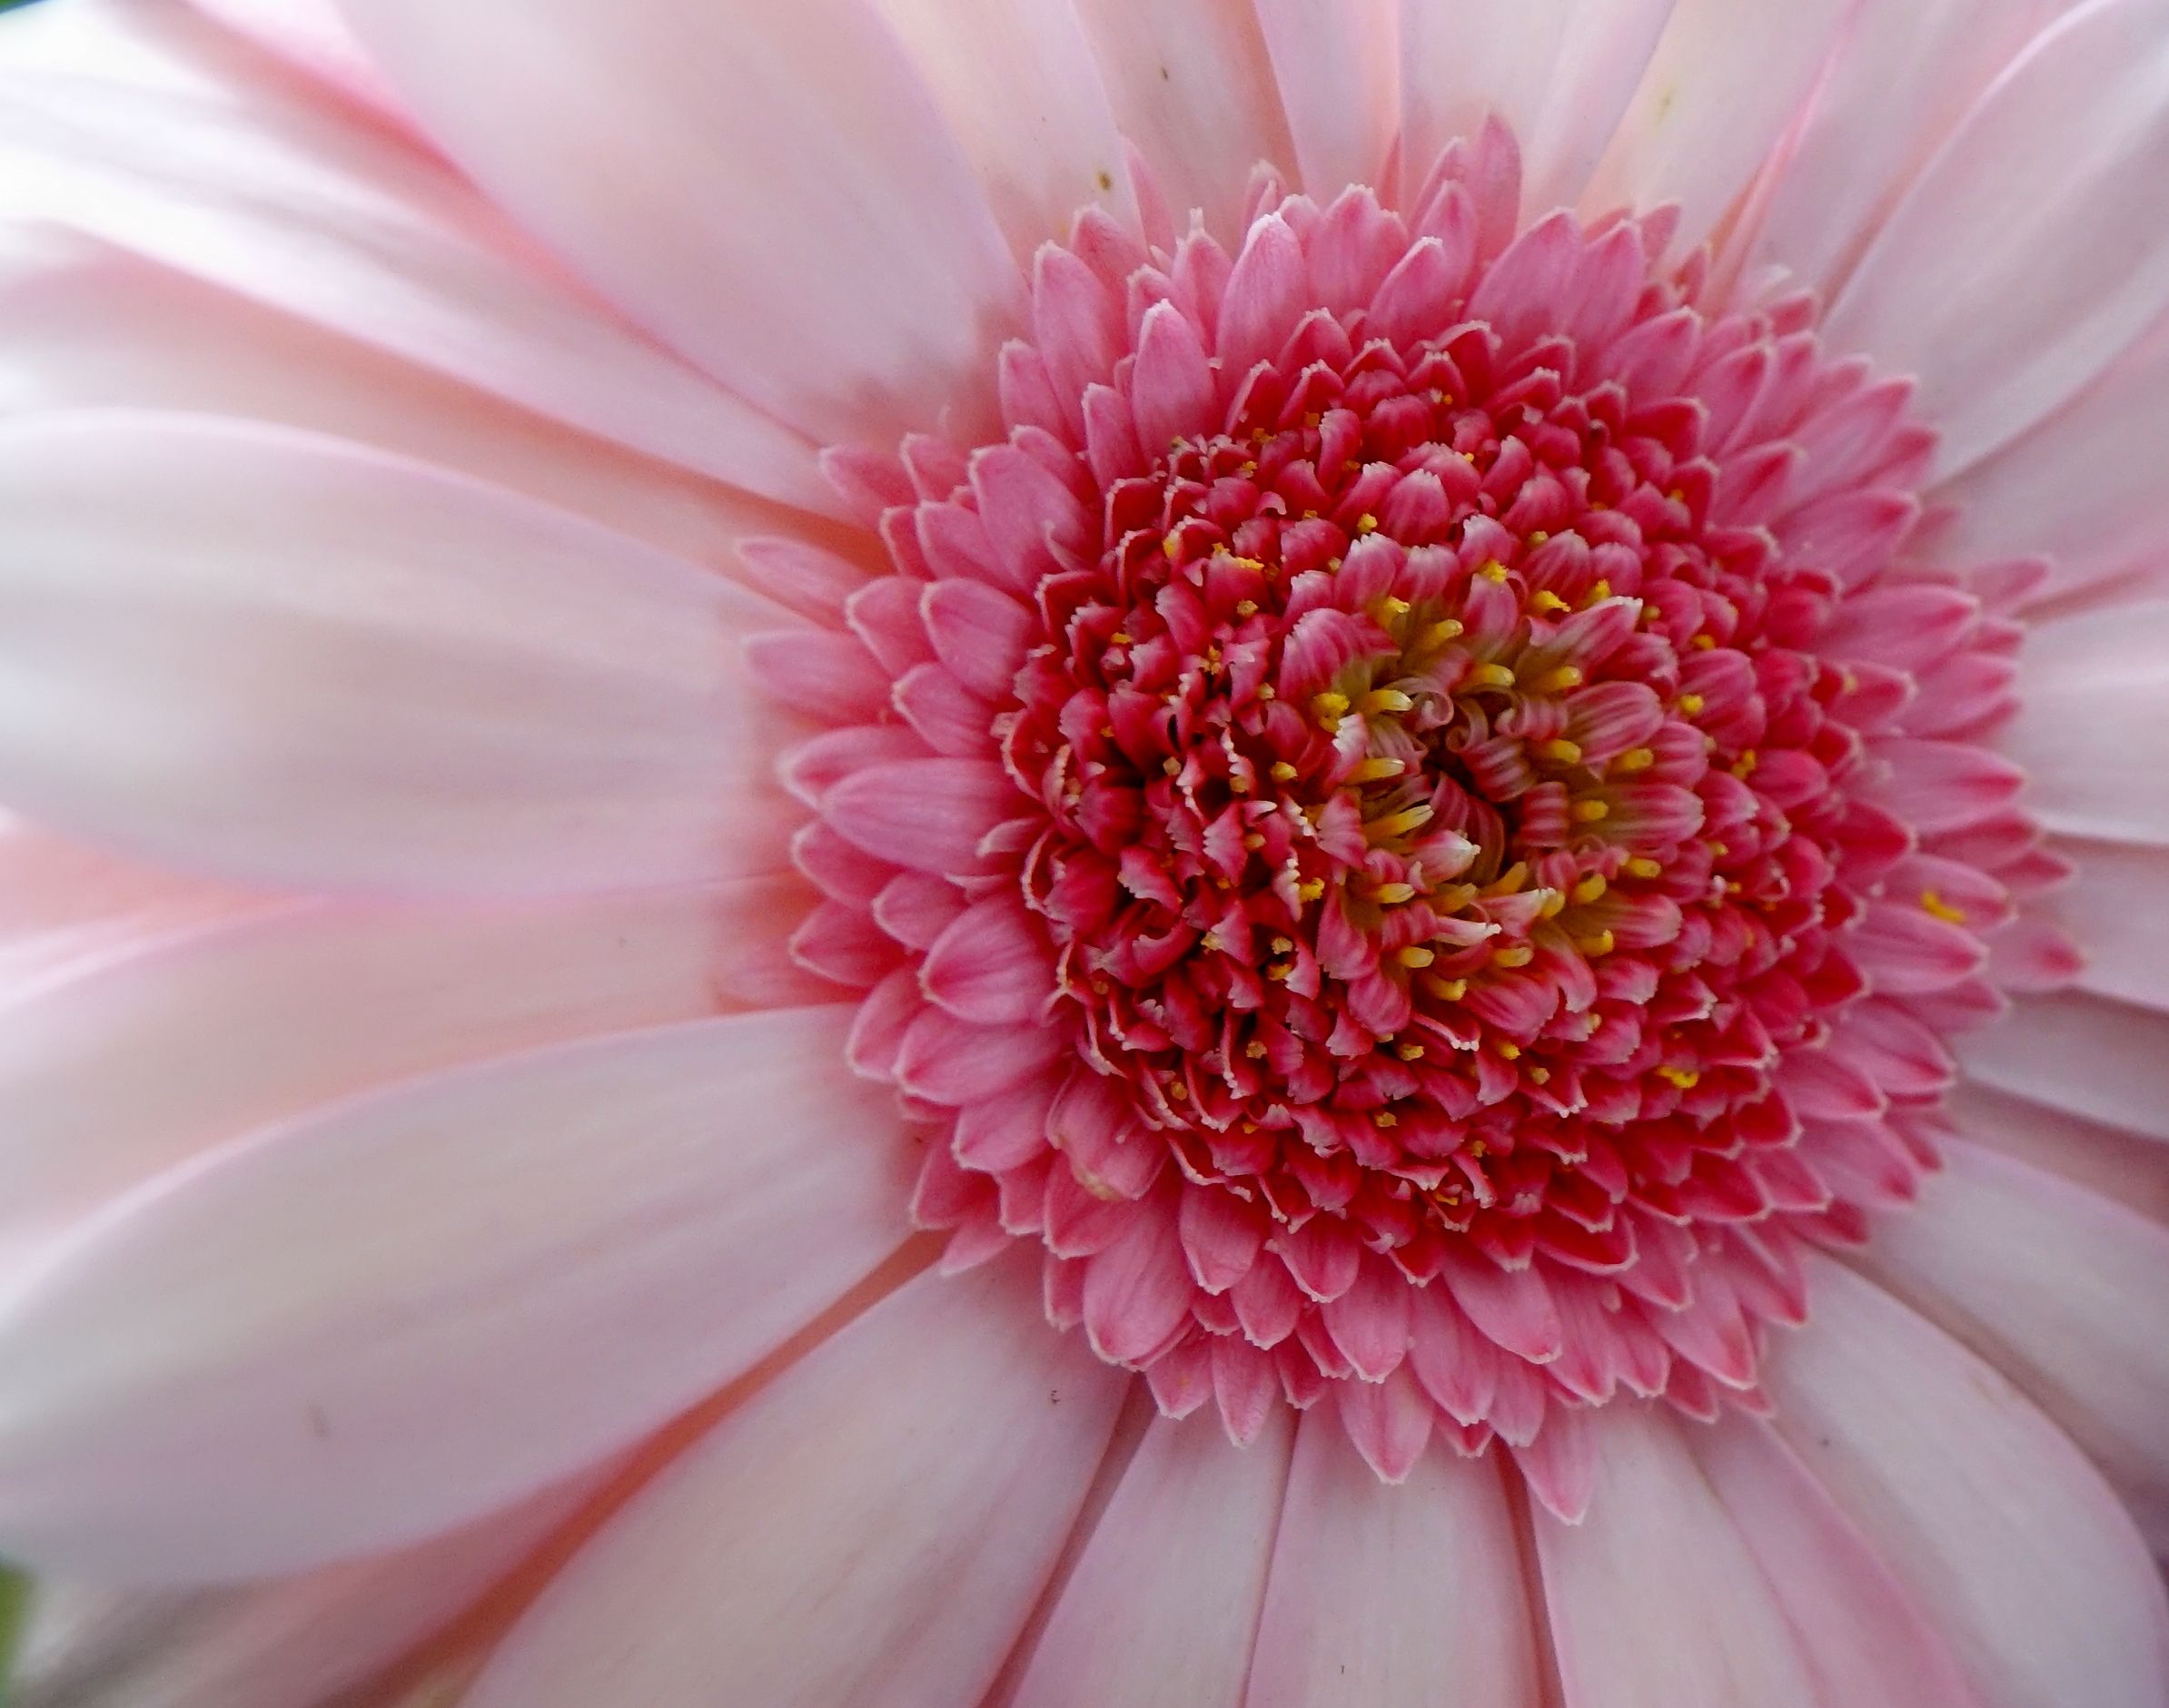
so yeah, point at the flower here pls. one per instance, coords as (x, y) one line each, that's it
(756, 744)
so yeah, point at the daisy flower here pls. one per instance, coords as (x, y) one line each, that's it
(1071, 853)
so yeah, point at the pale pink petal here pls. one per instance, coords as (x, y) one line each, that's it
(2121, 1166)
(208, 166)
(85, 325)
(242, 669)
(1864, 1641)
(1193, 88)
(770, 189)
(429, 1302)
(2062, 1289)
(1161, 1607)
(2102, 1060)
(2008, 1540)
(1378, 1594)
(1654, 1597)
(225, 1029)
(310, 34)
(1995, 221)
(1560, 72)
(1901, 78)
(276, 1643)
(1339, 70)
(2083, 488)
(872, 1529)
(1019, 86)
(1722, 85)
(2111, 910)
(2093, 726)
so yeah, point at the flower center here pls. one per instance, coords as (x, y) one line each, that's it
(1423, 827)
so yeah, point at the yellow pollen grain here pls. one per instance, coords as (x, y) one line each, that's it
(1415, 955)
(1540, 1076)
(1718, 849)
(1539, 538)
(1179, 1091)
(1642, 866)
(1409, 1051)
(1558, 681)
(1393, 894)
(1691, 704)
(1254, 1050)
(1266, 691)
(1278, 971)
(1493, 570)
(1366, 523)
(1171, 766)
(1592, 812)
(1491, 676)
(1384, 1118)
(1512, 1052)
(1942, 909)
(1635, 759)
(1744, 766)
(1171, 547)
(1515, 955)
(1247, 468)
(1601, 592)
(1246, 607)
(1310, 889)
(1544, 599)
(1382, 701)
(1282, 946)
(1121, 637)
(1563, 752)
(1590, 888)
(1603, 943)
(1250, 839)
(1703, 643)
(1282, 772)
(1238, 785)
(1686, 1079)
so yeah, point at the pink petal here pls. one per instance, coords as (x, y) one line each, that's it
(1171, 388)
(309, 34)
(2108, 909)
(1389, 1421)
(513, 698)
(226, 1029)
(1339, 73)
(1994, 220)
(2060, 1287)
(874, 1527)
(2009, 1541)
(979, 633)
(1136, 1292)
(1018, 85)
(1379, 1593)
(772, 192)
(927, 815)
(433, 1300)
(1865, 1641)
(2123, 1167)
(1159, 1610)
(274, 1643)
(1512, 1307)
(1370, 1322)
(1654, 1597)
(1720, 88)
(2102, 1060)
(300, 207)
(990, 966)
(2093, 723)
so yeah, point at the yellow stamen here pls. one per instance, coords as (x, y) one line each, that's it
(1380, 701)
(1330, 708)
(1512, 1052)
(1686, 1079)
(1447, 989)
(1553, 904)
(1540, 1076)
(1409, 1051)
(1282, 772)
(1392, 607)
(1376, 769)
(1566, 753)
(1642, 866)
(1942, 909)
(1590, 888)
(1254, 1050)
(1691, 704)
(1491, 676)
(1492, 570)
(1635, 759)
(1310, 889)
(1603, 943)
(1558, 681)
(1366, 523)
(1744, 766)
(1518, 955)
(1246, 607)
(1399, 824)
(1393, 894)
(1601, 592)
(1252, 840)
(1592, 812)
(1384, 1118)
(1415, 955)
(1440, 632)
(1544, 599)
(1703, 643)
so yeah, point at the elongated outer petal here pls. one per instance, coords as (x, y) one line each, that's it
(1901, 79)
(1865, 1641)
(274, 1643)
(1722, 85)
(309, 34)
(1192, 87)
(85, 325)
(2111, 910)
(1339, 69)
(172, 142)
(1161, 1607)
(2008, 1539)
(2104, 1061)
(2061, 1289)
(1654, 1598)
(2091, 730)
(1018, 85)
(294, 659)
(140, 1061)
(1996, 220)
(873, 1527)
(2126, 1167)
(1559, 71)
(771, 190)
(1376, 1590)
(371, 1324)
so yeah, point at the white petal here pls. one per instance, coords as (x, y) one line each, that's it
(174, 144)
(2063, 1290)
(250, 651)
(2025, 219)
(361, 1328)
(1655, 1600)
(140, 1061)
(1161, 1607)
(1378, 1591)
(770, 189)
(2008, 1539)
(872, 1529)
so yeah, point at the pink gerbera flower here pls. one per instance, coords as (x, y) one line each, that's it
(757, 745)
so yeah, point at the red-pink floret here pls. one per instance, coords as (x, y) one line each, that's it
(1413, 824)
